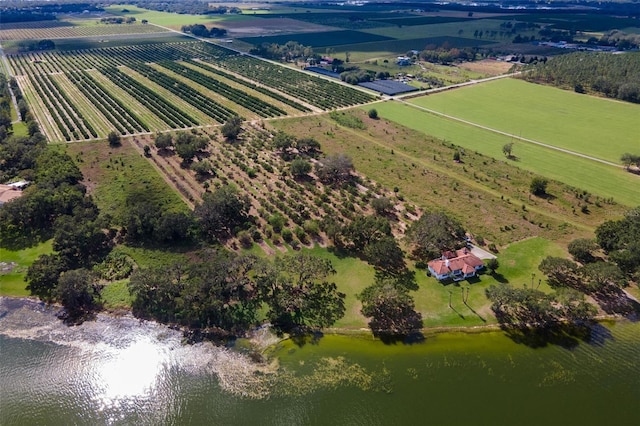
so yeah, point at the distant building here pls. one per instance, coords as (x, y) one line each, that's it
(455, 266)
(403, 61)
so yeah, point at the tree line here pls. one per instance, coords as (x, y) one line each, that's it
(614, 76)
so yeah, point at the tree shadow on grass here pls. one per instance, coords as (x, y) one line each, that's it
(303, 337)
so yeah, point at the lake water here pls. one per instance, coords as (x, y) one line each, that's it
(122, 371)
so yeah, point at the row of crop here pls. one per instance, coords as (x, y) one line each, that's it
(209, 107)
(54, 112)
(76, 31)
(111, 108)
(250, 85)
(240, 97)
(68, 112)
(317, 91)
(76, 111)
(165, 110)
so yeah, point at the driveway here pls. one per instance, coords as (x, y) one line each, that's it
(481, 253)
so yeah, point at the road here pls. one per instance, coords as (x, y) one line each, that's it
(5, 63)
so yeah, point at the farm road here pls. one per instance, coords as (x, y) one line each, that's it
(5, 63)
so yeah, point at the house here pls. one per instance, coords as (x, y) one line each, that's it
(403, 61)
(456, 266)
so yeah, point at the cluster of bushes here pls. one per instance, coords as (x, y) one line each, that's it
(200, 30)
(289, 51)
(36, 45)
(118, 20)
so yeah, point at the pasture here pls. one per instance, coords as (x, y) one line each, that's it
(597, 178)
(588, 125)
(171, 20)
(12, 280)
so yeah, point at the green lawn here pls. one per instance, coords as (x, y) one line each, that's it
(169, 19)
(517, 264)
(12, 283)
(116, 295)
(593, 126)
(600, 179)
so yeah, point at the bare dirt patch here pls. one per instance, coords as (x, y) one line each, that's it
(489, 67)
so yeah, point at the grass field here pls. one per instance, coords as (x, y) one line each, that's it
(593, 126)
(597, 178)
(12, 283)
(171, 20)
(112, 175)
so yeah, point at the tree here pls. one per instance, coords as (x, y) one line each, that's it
(582, 250)
(629, 159)
(300, 168)
(163, 141)
(79, 292)
(492, 265)
(308, 146)
(382, 205)
(373, 114)
(42, 276)
(283, 141)
(538, 186)
(298, 294)
(434, 233)
(598, 276)
(386, 256)
(507, 149)
(560, 272)
(361, 232)
(334, 168)
(232, 128)
(114, 139)
(222, 211)
(391, 309)
(80, 241)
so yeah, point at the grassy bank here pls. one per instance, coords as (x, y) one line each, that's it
(12, 281)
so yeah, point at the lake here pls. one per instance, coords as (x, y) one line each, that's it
(123, 371)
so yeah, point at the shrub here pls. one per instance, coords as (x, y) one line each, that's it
(373, 114)
(287, 235)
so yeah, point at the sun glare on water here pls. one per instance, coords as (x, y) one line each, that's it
(131, 372)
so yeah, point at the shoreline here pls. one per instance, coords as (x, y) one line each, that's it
(337, 331)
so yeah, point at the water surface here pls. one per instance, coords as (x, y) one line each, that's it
(123, 371)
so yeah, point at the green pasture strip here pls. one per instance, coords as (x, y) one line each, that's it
(451, 29)
(588, 125)
(320, 39)
(597, 178)
(169, 19)
(12, 282)
(119, 174)
(517, 264)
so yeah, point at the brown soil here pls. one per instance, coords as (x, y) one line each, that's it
(489, 67)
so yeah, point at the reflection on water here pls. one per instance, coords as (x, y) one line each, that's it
(123, 371)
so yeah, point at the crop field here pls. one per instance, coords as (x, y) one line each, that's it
(60, 29)
(597, 178)
(80, 92)
(545, 114)
(321, 39)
